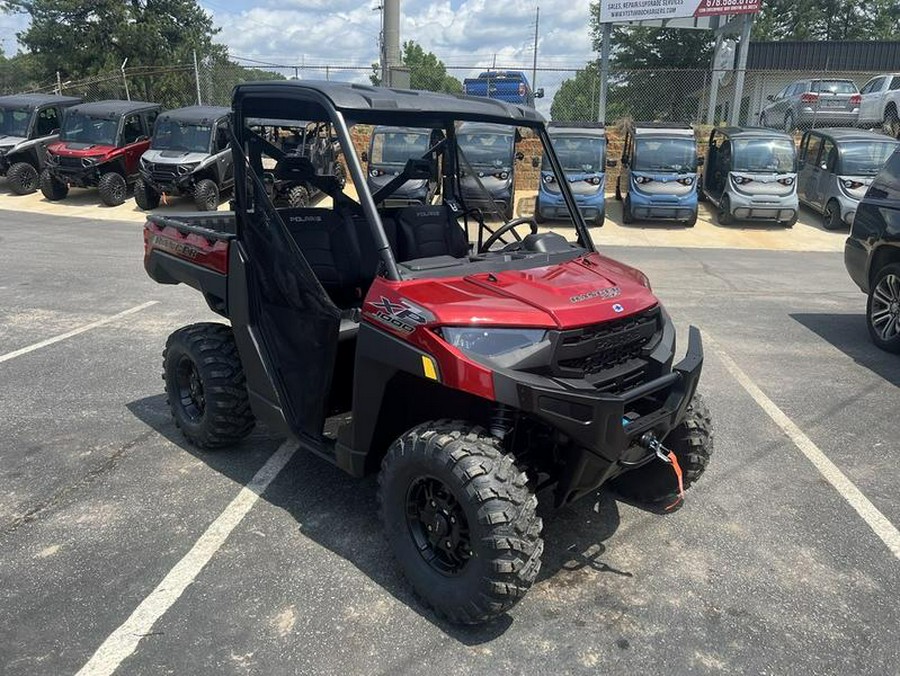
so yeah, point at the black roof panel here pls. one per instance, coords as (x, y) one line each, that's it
(114, 107)
(758, 132)
(196, 113)
(35, 100)
(380, 105)
(849, 134)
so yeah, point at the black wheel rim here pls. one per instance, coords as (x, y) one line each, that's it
(27, 180)
(118, 191)
(829, 216)
(438, 526)
(885, 312)
(190, 389)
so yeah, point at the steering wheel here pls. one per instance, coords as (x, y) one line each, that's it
(510, 226)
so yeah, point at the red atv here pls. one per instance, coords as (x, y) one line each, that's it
(471, 376)
(100, 146)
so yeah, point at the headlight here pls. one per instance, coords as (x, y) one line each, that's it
(187, 168)
(788, 180)
(851, 185)
(486, 342)
(549, 178)
(88, 161)
(687, 180)
(594, 180)
(642, 179)
(741, 180)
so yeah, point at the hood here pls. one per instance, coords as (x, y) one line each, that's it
(10, 141)
(581, 292)
(72, 149)
(173, 156)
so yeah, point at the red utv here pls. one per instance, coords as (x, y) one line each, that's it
(471, 361)
(100, 146)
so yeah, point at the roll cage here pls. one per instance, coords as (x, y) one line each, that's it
(344, 106)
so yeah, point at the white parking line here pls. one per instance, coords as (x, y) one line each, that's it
(75, 332)
(124, 640)
(877, 521)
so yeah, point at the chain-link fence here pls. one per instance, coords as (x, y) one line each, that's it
(699, 97)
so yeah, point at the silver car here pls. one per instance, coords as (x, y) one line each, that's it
(808, 104)
(837, 166)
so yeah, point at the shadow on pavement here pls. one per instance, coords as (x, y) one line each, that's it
(849, 334)
(340, 513)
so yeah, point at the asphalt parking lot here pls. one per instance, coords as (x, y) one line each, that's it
(773, 566)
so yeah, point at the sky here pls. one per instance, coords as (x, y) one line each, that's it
(466, 33)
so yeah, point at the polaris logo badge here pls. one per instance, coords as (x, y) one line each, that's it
(617, 308)
(427, 214)
(611, 292)
(305, 219)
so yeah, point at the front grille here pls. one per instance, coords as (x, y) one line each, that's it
(163, 173)
(70, 163)
(608, 354)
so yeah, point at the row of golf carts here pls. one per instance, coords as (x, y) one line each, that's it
(749, 173)
(54, 143)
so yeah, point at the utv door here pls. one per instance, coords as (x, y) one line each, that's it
(291, 325)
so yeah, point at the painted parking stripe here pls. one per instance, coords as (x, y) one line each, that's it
(124, 640)
(877, 521)
(75, 332)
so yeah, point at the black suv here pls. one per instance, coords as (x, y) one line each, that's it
(28, 122)
(872, 254)
(189, 155)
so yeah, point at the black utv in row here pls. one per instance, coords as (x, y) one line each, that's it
(189, 155)
(28, 122)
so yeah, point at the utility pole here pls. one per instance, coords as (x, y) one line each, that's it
(537, 24)
(390, 15)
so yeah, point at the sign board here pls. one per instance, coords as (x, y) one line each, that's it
(617, 11)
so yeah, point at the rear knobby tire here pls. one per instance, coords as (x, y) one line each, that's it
(52, 188)
(113, 188)
(497, 561)
(205, 385)
(144, 196)
(206, 195)
(692, 443)
(22, 178)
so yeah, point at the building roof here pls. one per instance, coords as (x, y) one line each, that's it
(848, 134)
(35, 100)
(376, 105)
(113, 107)
(207, 114)
(824, 56)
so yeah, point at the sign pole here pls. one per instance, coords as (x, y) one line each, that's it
(714, 84)
(735, 117)
(604, 71)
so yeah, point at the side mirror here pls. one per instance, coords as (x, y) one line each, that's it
(142, 138)
(535, 161)
(520, 155)
(770, 97)
(701, 161)
(539, 93)
(364, 157)
(612, 164)
(824, 166)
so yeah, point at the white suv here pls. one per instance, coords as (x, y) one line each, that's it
(880, 103)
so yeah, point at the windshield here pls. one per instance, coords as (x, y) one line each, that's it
(485, 149)
(14, 121)
(834, 86)
(762, 155)
(184, 136)
(665, 154)
(396, 147)
(82, 128)
(864, 158)
(578, 153)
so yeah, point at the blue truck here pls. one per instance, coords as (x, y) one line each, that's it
(510, 86)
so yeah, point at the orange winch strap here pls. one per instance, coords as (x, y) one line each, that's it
(673, 460)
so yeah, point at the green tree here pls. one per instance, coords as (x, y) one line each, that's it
(80, 39)
(426, 71)
(833, 20)
(577, 97)
(653, 71)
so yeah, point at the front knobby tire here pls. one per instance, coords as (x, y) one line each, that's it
(206, 195)
(655, 484)
(113, 189)
(52, 188)
(460, 518)
(205, 385)
(22, 178)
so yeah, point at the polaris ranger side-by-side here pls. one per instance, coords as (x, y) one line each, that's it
(28, 122)
(100, 146)
(470, 377)
(189, 155)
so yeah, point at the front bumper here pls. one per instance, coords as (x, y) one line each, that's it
(604, 429)
(664, 207)
(170, 185)
(553, 206)
(763, 207)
